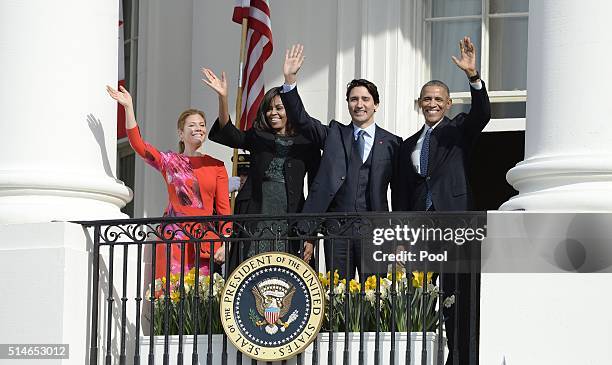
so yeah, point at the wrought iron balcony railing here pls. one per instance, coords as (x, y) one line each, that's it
(387, 295)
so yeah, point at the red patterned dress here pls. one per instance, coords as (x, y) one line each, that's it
(196, 185)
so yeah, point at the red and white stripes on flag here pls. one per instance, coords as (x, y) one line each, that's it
(259, 49)
(121, 132)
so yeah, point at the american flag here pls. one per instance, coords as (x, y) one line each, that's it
(259, 49)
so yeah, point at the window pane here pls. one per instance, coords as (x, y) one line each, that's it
(498, 110)
(445, 37)
(126, 174)
(127, 18)
(508, 54)
(126, 65)
(443, 8)
(508, 110)
(509, 6)
(458, 108)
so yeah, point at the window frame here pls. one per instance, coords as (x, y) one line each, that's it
(498, 96)
(123, 145)
(132, 43)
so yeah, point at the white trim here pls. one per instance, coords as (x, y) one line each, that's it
(339, 63)
(506, 125)
(453, 18)
(484, 42)
(508, 15)
(513, 96)
(365, 63)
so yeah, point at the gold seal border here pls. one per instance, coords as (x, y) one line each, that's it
(315, 321)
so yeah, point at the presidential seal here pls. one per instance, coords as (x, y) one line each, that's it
(272, 306)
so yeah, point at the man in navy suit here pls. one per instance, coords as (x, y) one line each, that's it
(357, 163)
(435, 158)
(433, 176)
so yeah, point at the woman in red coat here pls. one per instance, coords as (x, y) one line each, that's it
(196, 183)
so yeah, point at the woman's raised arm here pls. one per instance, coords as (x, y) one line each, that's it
(219, 85)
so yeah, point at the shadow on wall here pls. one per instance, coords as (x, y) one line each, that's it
(98, 131)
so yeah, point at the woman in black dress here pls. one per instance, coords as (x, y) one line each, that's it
(280, 158)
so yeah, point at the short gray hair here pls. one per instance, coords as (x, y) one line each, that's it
(437, 83)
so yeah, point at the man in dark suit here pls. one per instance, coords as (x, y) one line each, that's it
(357, 163)
(437, 180)
(433, 165)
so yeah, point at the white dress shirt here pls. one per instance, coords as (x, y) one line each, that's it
(368, 137)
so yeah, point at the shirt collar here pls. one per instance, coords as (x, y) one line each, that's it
(427, 127)
(369, 130)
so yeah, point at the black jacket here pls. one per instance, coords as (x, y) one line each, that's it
(449, 151)
(303, 158)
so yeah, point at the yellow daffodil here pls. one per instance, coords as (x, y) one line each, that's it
(417, 278)
(323, 280)
(399, 275)
(354, 286)
(190, 278)
(370, 283)
(175, 296)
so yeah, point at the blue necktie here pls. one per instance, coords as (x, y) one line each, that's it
(424, 161)
(360, 143)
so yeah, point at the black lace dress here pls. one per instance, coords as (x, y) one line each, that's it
(274, 200)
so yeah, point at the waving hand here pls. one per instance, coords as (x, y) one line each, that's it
(294, 58)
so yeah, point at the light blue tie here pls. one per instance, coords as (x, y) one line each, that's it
(424, 161)
(360, 141)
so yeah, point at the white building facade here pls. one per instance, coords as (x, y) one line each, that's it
(59, 156)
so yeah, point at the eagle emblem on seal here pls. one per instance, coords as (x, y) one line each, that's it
(273, 302)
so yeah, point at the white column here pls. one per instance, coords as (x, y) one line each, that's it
(58, 125)
(568, 149)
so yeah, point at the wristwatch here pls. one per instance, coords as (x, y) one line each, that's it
(475, 77)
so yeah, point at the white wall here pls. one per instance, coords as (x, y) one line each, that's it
(164, 87)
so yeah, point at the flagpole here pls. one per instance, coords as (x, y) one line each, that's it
(239, 100)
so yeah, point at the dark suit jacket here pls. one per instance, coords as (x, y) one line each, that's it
(303, 158)
(450, 146)
(336, 142)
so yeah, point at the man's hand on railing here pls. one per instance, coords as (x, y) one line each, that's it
(308, 250)
(220, 254)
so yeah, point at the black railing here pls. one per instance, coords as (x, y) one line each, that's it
(180, 305)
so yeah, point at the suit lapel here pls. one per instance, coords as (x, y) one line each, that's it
(347, 139)
(379, 138)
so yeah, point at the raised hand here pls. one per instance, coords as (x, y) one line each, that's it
(467, 60)
(294, 58)
(219, 85)
(122, 96)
